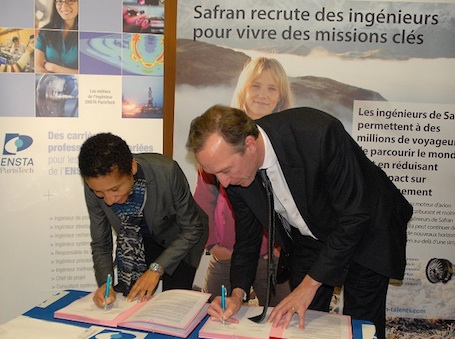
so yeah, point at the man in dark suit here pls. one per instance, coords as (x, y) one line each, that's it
(145, 198)
(341, 221)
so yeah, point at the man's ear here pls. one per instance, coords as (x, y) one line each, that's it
(251, 143)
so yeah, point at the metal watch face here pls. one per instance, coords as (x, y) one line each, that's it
(156, 268)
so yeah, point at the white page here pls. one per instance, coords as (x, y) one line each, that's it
(317, 325)
(86, 308)
(368, 331)
(245, 328)
(26, 327)
(173, 308)
(320, 325)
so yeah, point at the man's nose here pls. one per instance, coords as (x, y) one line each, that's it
(223, 179)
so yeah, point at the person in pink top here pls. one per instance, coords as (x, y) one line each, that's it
(262, 88)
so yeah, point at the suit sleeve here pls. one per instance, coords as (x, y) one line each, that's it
(206, 195)
(248, 238)
(101, 234)
(190, 227)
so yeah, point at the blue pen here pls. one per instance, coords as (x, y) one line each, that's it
(108, 289)
(223, 300)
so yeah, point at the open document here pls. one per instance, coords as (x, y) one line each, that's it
(174, 312)
(317, 325)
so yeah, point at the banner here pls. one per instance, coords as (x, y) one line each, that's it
(385, 69)
(60, 85)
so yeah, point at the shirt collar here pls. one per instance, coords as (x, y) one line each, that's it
(270, 158)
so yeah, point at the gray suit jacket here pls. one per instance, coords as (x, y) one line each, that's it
(175, 220)
(348, 202)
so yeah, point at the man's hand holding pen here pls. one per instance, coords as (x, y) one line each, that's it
(232, 306)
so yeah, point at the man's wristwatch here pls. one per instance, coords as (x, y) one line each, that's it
(155, 267)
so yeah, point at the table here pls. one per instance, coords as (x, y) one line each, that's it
(45, 312)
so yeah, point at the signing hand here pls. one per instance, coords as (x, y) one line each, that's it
(296, 302)
(98, 297)
(233, 304)
(144, 286)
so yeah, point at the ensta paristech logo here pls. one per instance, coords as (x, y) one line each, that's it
(13, 161)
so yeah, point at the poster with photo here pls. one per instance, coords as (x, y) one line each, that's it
(68, 69)
(354, 60)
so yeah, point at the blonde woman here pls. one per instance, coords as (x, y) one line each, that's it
(263, 88)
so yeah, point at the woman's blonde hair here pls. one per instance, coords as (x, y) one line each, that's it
(254, 69)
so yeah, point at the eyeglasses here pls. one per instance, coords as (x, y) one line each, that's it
(67, 2)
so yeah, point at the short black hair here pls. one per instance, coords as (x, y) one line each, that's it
(103, 153)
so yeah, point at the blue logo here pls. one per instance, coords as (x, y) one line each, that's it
(113, 334)
(15, 143)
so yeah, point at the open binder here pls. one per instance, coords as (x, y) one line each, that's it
(317, 325)
(172, 312)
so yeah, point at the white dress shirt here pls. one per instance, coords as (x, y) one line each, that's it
(283, 200)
